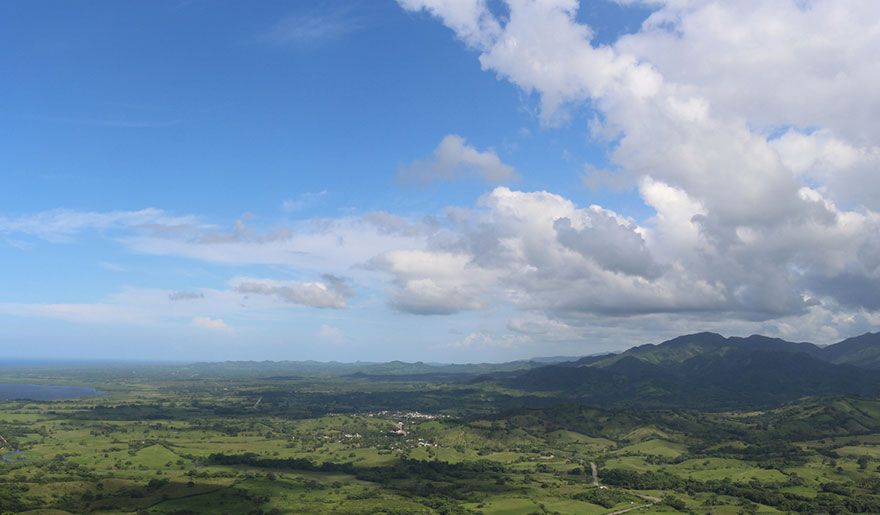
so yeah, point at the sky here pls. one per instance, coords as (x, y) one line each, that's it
(436, 180)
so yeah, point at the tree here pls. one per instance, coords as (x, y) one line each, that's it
(674, 502)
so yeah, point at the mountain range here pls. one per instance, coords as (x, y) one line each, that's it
(707, 370)
(700, 371)
(861, 351)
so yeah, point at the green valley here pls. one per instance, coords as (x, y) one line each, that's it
(407, 438)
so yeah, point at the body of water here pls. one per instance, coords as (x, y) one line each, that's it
(44, 392)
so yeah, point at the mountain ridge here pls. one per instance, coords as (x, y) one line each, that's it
(708, 370)
(862, 351)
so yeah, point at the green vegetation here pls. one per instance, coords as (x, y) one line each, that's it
(206, 439)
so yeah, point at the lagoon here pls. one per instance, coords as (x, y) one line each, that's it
(43, 392)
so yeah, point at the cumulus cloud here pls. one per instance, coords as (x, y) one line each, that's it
(611, 242)
(539, 251)
(755, 146)
(432, 282)
(330, 292)
(846, 171)
(454, 159)
(470, 19)
(680, 125)
(751, 59)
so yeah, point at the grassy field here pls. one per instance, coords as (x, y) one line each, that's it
(202, 446)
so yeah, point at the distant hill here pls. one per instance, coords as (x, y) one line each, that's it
(400, 370)
(737, 378)
(861, 351)
(707, 370)
(702, 370)
(685, 347)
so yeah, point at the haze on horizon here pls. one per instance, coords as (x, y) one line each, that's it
(446, 181)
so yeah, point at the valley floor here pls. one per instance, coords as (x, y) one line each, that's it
(206, 446)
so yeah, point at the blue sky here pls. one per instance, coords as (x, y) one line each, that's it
(257, 135)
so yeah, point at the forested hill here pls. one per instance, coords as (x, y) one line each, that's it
(707, 370)
(862, 351)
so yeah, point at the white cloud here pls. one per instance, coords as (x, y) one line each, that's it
(112, 267)
(756, 148)
(808, 64)
(211, 324)
(331, 334)
(490, 339)
(470, 19)
(331, 292)
(454, 159)
(83, 313)
(747, 224)
(611, 242)
(158, 308)
(314, 245)
(846, 172)
(61, 225)
(310, 28)
(539, 251)
(303, 201)
(675, 228)
(432, 283)
(541, 328)
(683, 112)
